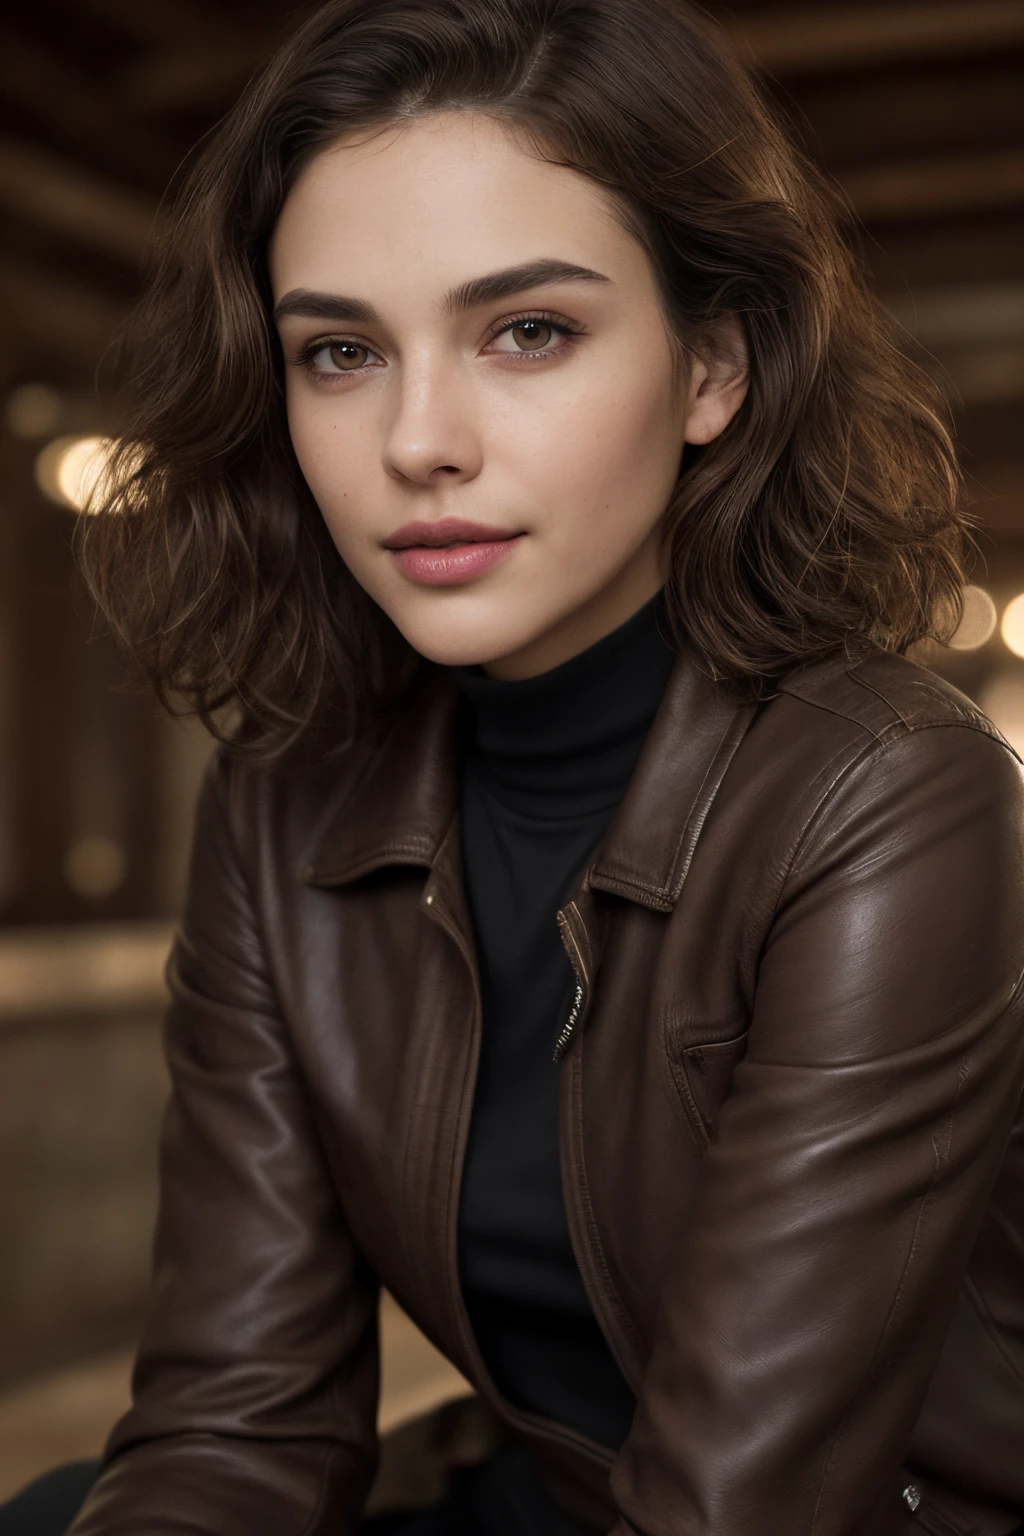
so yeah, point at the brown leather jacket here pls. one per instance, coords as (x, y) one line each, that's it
(792, 1168)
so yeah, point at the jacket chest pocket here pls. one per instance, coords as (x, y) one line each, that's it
(702, 1073)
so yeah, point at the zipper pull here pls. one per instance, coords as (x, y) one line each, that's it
(568, 920)
(565, 1034)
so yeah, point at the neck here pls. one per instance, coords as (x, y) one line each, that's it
(565, 742)
(608, 610)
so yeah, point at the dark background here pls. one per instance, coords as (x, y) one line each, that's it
(914, 106)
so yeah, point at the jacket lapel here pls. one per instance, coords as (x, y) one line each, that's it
(403, 805)
(646, 852)
(405, 795)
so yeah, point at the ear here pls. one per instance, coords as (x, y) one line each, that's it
(719, 377)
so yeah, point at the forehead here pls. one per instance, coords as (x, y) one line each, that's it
(429, 202)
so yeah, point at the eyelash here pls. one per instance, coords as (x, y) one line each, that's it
(564, 327)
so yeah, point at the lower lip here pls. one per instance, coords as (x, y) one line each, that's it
(448, 567)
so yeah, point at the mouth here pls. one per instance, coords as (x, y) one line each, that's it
(449, 553)
(447, 533)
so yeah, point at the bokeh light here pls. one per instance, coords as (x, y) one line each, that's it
(70, 469)
(1012, 626)
(1002, 699)
(978, 622)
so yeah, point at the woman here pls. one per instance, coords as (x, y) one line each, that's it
(599, 932)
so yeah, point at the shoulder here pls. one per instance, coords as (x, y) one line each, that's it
(884, 697)
(882, 749)
(279, 804)
(882, 744)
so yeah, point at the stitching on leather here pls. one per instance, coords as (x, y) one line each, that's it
(358, 863)
(853, 674)
(450, 1285)
(684, 1100)
(926, 1203)
(597, 1247)
(698, 816)
(829, 709)
(311, 1523)
(256, 924)
(729, 744)
(971, 719)
(841, 1426)
(880, 743)
(624, 886)
(863, 753)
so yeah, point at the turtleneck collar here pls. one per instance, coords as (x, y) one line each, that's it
(564, 743)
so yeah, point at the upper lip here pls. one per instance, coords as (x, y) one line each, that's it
(448, 530)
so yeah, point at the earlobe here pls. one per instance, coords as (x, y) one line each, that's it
(719, 383)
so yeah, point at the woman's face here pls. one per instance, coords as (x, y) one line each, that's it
(481, 391)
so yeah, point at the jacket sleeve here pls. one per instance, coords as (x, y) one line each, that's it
(837, 1205)
(255, 1387)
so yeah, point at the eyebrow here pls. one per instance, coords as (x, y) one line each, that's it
(478, 290)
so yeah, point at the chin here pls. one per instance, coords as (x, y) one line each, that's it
(465, 644)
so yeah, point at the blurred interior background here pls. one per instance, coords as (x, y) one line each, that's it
(915, 106)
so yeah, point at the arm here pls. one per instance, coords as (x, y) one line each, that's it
(255, 1388)
(839, 1200)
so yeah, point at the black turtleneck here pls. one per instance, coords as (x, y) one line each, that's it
(547, 762)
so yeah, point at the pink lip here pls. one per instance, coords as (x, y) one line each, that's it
(433, 567)
(449, 550)
(445, 530)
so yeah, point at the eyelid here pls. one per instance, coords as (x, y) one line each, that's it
(548, 316)
(561, 323)
(308, 350)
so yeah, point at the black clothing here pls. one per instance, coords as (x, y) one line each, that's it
(547, 762)
(47, 1506)
(502, 1496)
(496, 1498)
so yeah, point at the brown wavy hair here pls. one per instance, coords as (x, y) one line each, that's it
(827, 516)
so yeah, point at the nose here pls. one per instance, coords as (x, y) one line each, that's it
(432, 436)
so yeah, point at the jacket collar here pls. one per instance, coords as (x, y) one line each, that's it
(405, 800)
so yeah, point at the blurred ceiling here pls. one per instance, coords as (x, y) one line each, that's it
(914, 105)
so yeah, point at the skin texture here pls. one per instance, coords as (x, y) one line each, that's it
(425, 410)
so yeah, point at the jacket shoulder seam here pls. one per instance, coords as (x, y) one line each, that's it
(839, 714)
(831, 693)
(899, 731)
(971, 719)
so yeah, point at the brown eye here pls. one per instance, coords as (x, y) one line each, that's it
(347, 356)
(533, 335)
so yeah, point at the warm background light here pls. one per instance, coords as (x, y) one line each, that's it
(978, 622)
(1012, 627)
(1003, 701)
(70, 469)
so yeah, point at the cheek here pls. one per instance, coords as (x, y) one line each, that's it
(329, 460)
(311, 438)
(610, 457)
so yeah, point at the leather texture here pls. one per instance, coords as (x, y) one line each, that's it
(791, 1138)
